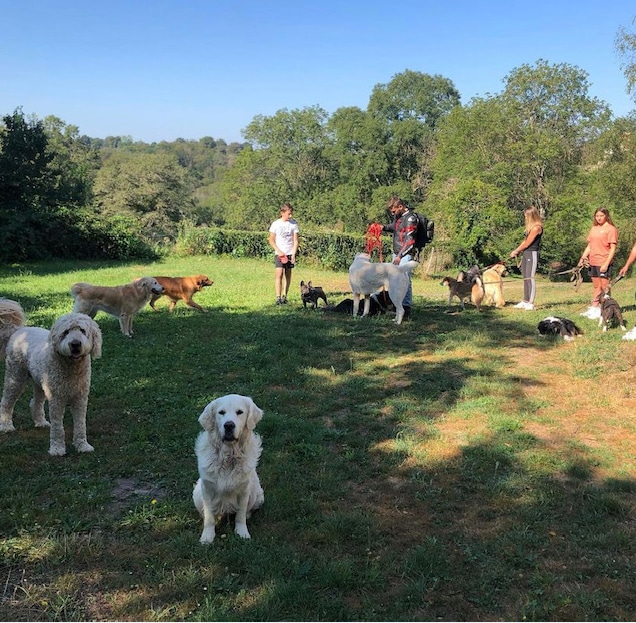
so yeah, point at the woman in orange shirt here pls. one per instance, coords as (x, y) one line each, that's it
(600, 250)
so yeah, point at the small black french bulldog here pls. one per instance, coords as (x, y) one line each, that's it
(310, 294)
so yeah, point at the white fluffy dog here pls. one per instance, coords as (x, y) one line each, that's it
(58, 363)
(11, 318)
(123, 302)
(227, 452)
(367, 277)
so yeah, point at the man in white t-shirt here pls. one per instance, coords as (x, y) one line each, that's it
(283, 238)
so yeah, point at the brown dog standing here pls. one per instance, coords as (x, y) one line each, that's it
(181, 289)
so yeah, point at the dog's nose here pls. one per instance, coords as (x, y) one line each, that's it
(229, 427)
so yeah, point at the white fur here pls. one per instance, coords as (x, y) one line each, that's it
(367, 277)
(11, 318)
(228, 451)
(58, 364)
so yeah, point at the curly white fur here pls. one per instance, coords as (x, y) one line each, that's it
(58, 363)
(228, 451)
(11, 318)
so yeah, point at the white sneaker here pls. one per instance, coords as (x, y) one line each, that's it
(593, 313)
(529, 307)
(520, 305)
(631, 334)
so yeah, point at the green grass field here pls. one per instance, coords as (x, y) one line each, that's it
(458, 467)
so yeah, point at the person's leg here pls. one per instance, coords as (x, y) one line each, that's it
(288, 273)
(529, 265)
(408, 297)
(278, 283)
(597, 284)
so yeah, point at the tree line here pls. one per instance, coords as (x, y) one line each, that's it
(471, 167)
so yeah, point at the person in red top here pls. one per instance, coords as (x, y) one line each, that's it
(599, 252)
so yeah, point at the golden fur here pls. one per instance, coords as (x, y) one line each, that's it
(181, 289)
(123, 302)
(492, 279)
(228, 451)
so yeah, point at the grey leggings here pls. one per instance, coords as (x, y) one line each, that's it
(529, 262)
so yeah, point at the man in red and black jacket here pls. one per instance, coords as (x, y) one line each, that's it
(404, 229)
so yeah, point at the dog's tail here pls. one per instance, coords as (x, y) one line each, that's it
(12, 317)
(408, 267)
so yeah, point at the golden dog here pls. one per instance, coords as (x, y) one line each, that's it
(181, 289)
(123, 302)
(492, 279)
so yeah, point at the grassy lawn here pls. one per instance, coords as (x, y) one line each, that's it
(458, 467)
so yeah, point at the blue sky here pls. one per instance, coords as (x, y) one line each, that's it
(167, 69)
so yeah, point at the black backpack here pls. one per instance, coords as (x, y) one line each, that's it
(425, 231)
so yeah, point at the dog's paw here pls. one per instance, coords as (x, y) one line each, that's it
(242, 531)
(43, 423)
(57, 450)
(6, 427)
(207, 536)
(84, 446)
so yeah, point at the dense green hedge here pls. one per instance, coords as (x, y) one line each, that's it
(328, 250)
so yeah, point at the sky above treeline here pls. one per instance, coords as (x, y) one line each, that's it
(160, 69)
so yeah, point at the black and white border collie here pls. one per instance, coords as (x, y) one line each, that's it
(556, 325)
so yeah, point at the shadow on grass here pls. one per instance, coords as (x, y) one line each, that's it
(354, 526)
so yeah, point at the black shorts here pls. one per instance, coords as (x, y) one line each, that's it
(279, 264)
(595, 271)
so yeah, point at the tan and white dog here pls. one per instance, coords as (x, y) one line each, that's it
(492, 280)
(367, 277)
(123, 302)
(228, 451)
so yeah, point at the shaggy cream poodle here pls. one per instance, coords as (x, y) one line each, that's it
(11, 318)
(58, 363)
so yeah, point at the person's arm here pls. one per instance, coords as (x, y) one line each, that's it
(630, 260)
(532, 234)
(610, 257)
(295, 249)
(584, 255)
(272, 243)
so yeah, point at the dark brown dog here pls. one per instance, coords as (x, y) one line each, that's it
(310, 294)
(610, 312)
(181, 289)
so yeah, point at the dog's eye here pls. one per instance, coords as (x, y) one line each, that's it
(239, 412)
(82, 331)
(222, 412)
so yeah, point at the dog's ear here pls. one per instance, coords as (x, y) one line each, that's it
(96, 338)
(302, 283)
(254, 416)
(309, 284)
(207, 418)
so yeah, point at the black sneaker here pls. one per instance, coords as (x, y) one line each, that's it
(407, 312)
(279, 301)
(283, 300)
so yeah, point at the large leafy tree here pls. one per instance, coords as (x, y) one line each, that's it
(152, 188)
(411, 105)
(287, 163)
(528, 143)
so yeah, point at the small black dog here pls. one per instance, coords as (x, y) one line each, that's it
(380, 303)
(610, 312)
(555, 325)
(310, 294)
